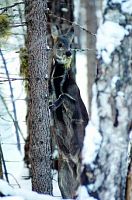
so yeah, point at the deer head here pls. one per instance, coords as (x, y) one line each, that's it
(62, 45)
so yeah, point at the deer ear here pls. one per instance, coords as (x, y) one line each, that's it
(70, 34)
(55, 32)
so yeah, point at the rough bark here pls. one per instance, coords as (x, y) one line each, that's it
(38, 118)
(114, 114)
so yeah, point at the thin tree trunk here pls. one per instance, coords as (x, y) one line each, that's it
(4, 165)
(38, 119)
(91, 23)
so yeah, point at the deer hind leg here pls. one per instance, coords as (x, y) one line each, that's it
(68, 178)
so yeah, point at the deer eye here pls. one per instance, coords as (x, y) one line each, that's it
(60, 45)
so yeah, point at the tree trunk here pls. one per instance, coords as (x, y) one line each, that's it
(38, 119)
(129, 173)
(114, 101)
(129, 183)
(91, 23)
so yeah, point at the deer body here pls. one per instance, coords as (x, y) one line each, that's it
(69, 115)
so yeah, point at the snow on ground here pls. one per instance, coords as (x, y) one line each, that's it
(20, 194)
(12, 198)
(83, 194)
(23, 194)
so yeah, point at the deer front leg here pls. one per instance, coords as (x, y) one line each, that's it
(60, 101)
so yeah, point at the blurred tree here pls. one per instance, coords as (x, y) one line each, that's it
(38, 120)
(114, 100)
(89, 20)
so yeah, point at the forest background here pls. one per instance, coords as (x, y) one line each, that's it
(103, 50)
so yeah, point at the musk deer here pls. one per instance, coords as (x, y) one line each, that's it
(69, 115)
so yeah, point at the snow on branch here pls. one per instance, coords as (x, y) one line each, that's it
(126, 6)
(113, 30)
(109, 36)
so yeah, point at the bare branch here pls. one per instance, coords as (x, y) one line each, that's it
(13, 103)
(3, 100)
(4, 165)
(11, 6)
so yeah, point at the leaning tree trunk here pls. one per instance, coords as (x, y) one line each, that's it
(38, 118)
(114, 102)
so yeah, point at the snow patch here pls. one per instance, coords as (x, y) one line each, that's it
(76, 10)
(121, 105)
(20, 194)
(81, 76)
(94, 109)
(117, 1)
(130, 136)
(129, 27)
(126, 6)
(83, 194)
(12, 198)
(5, 188)
(92, 138)
(109, 36)
(24, 194)
(114, 81)
(91, 145)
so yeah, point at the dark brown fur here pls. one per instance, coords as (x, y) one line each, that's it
(70, 119)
